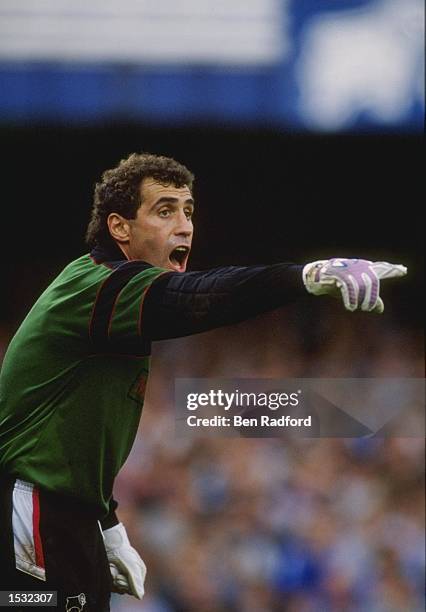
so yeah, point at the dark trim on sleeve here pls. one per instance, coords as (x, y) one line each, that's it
(108, 294)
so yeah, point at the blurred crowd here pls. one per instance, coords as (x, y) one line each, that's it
(273, 525)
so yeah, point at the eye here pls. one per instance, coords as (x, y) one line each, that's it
(164, 212)
(188, 213)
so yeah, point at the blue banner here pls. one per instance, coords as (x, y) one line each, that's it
(317, 65)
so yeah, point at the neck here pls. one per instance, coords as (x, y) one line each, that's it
(124, 248)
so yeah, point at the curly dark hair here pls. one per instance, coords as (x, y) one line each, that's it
(119, 190)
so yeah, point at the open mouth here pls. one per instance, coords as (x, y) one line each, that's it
(178, 257)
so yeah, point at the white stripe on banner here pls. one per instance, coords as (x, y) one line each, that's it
(26, 535)
(241, 32)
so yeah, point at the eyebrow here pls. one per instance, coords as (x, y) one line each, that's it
(170, 200)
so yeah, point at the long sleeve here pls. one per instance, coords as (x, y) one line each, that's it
(180, 304)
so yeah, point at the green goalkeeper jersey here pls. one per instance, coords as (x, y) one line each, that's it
(73, 379)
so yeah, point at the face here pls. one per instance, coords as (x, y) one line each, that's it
(162, 232)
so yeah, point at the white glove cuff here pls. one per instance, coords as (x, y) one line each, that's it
(307, 275)
(115, 537)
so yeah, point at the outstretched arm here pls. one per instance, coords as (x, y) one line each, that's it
(179, 304)
(140, 303)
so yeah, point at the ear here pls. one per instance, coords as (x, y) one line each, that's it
(119, 227)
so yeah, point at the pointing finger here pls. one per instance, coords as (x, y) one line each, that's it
(388, 270)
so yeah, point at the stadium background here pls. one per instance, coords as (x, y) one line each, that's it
(302, 122)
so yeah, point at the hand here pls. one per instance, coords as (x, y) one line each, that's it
(128, 571)
(357, 281)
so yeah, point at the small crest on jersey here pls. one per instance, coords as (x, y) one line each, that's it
(138, 387)
(75, 603)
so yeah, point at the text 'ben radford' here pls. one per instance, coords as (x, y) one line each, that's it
(239, 421)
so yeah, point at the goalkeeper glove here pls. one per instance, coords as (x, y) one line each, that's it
(127, 569)
(357, 281)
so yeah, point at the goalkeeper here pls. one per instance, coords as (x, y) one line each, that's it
(73, 378)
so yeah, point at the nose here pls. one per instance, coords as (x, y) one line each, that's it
(184, 226)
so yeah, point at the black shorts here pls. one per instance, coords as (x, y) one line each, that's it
(49, 542)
